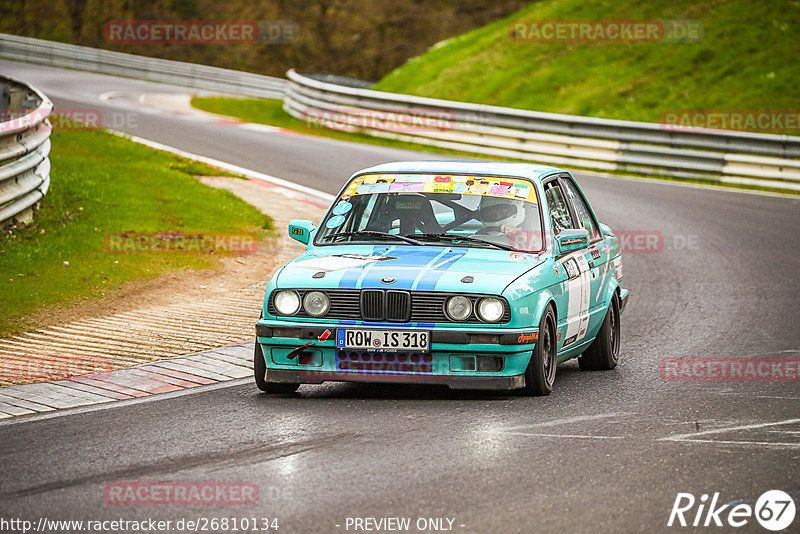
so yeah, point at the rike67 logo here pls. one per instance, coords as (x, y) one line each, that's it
(774, 510)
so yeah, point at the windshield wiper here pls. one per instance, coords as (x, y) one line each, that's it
(375, 234)
(453, 237)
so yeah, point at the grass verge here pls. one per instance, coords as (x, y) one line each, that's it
(745, 60)
(103, 185)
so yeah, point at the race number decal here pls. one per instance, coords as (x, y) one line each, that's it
(578, 290)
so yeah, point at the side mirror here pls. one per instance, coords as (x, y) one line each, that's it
(301, 230)
(571, 239)
(606, 229)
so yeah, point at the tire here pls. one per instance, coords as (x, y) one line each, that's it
(603, 353)
(540, 375)
(260, 369)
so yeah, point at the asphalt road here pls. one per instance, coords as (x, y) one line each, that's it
(606, 452)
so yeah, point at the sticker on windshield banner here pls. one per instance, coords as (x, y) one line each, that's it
(411, 178)
(335, 222)
(511, 188)
(478, 189)
(365, 189)
(407, 187)
(341, 208)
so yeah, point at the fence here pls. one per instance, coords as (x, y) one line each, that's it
(566, 140)
(64, 55)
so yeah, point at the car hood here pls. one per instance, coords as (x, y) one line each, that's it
(425, 268)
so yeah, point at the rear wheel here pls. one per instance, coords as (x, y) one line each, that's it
(260, 371)
(603, 353)
(541, 371)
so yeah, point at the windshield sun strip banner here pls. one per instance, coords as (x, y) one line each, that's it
(492, 186)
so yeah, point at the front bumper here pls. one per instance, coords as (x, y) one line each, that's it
(306, 353)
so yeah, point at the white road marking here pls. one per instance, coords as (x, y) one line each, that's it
(565, 421)
(263, 128)
(327, 197)
(772, 444)
(694, 437)
(569, 436)
(108, 96)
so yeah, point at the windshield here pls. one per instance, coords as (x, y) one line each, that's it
(426, 209)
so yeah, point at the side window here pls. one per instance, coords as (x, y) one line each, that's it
(557, 205)
(585, 219)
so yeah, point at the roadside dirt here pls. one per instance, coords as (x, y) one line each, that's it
(231, 274)
(179, 313)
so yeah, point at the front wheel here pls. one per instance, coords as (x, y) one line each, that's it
(603, 353)
(541, 371)
(260, 371)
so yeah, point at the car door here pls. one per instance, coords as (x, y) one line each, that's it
(597, 254)
(573, 268)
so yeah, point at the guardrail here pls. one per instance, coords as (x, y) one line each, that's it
(565, 140)
(215, 79)
(24, 149)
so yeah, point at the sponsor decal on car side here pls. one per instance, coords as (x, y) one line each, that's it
(528, 337)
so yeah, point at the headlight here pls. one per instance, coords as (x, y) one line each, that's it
(490, 309)
(316, 303)
(459, 308)
(287, 302)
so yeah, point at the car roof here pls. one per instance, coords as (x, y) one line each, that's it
(531, 171)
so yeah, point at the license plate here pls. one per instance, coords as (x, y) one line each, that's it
(383, 340)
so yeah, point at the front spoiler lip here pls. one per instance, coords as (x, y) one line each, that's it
(503, 383)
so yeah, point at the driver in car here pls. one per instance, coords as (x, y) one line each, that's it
(505, 219)
(499, 216)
